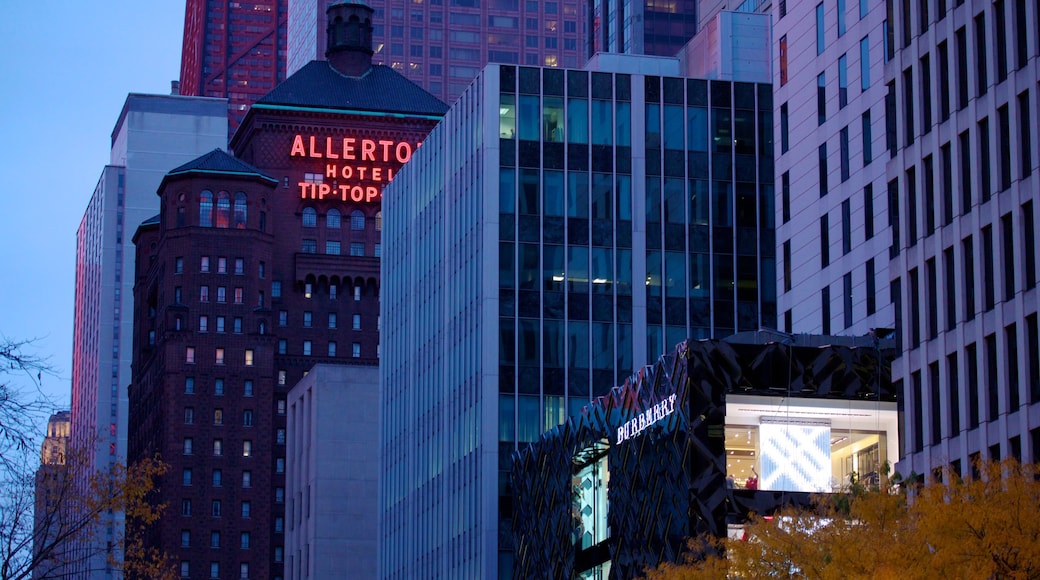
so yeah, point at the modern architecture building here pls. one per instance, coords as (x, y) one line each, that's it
(641, 26)
(443, 45)
(558, 228)
(691, 445)
(332, 477)
(48, 510)
(833, 230)
(154, 133)
(234, 51)
(961, 88)
(260, 265)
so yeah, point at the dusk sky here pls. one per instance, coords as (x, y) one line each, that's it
(65, 68)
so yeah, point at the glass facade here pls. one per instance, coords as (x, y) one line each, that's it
(583, 210)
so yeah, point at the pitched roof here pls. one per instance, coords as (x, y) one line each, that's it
(380, 89)
(219, 161)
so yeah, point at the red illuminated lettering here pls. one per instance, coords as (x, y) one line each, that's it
(328, 149)
(348, 148)
(361, 172)
(347, 172)
(297, 147)
(323, 190)
(403, 152)
(377, 174)
(330, 170)
(368, 150)
(313, 152)
(386, 148)
(371, 193)
(357, 193)
(306, 188)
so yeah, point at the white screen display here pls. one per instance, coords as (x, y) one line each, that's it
(795, 456)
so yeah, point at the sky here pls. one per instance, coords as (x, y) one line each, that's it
(66, 68)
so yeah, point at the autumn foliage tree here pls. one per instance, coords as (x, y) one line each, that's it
(982, 527)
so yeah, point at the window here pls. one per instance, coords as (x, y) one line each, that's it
(332, 291)
(247, 418)
(185, 541)
(846, 226)
(911, 207)
(908, 106)
(356, 350)
(871, 288)
(281, 377)
(825, 242)
(308, 290)
(249, 357)
(218, 387)
(186, 476)
(189, 415)
(189, 355)
(357, 293)
(203, 323)
(204, 264)
(218, 416)
(238, 295)
(307, 316)
(356, 322)
(218, 478)
(206, 209)
(823, 169)
(332, 248)
(377, 250)
(961, 38)
(891, 134)
(332, 320)
(186, 507)
(279, 495)
(825, 303)
(220, 324)
(218, 447)
(969, 278)
(784, 134)
(237, 325)
(203, 293)
(925, 74)
(847, 299)
(244, 543)
(189, 385)
(221, 265)
(280, 436)
(178, 265)
(864, 63)
(221, 294)
(1029, 250)
(247, 479)
(787, 265)
(783, 60)
(246, 509)
(283, 346)
(819, 29)
(944, 81)
(1004, 141)
(278, 554)
(964, 145)
(247, 448)
(332, 348)
(279, 525)
(310, 217)
(306, 348)
(214, 539)
(950, 291)
(1007, 227)
(843, 81)
(932, 290)
(332, 219)
(357, 220)
(185, 570)
(1000, 31)
(989, 296)
(240, 266)
(214, 569)
(187, 447)
(309, 247)
(279, 465)
(379, 221)
(821, 98)
(357, 248)
(868, 150)
(946, 159)
(248, 388)
(280, 408)
(843, 141)
(985, 190)
(283, 317)
(785, 195)
(220, 356)
(928, 187)
(1025, 145)
(177, 295)
(841, 17)
(981, 77)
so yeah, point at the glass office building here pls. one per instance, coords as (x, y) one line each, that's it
(556, 229)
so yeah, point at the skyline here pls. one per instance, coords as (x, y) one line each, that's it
(70, 111)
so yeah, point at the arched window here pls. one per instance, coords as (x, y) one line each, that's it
(223, 209)
(240, 211)
(357, 220)
(310, 217)
(206, 209)
(332, 219)
(379, 221)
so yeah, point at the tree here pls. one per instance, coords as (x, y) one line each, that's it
(984, 527)
(21, 412)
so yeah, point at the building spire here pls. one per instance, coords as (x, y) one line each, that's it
(349, 37)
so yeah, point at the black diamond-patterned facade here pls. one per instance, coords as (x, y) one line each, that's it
(668, 482)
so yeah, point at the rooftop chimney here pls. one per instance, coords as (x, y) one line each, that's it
(349, 37)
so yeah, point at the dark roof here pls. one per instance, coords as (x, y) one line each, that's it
(152, 220)
(219, 161)
(380, 89)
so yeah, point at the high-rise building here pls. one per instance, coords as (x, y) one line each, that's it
(259, 266)
(833, 233)
(961, 81)
(641, 26)
(234, 51)
(558, 229)
(154, 133)
(52, 498)
(443, 45)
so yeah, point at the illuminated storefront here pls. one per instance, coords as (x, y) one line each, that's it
(691, 445)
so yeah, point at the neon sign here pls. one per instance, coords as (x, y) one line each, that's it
(365, 164)
(646, 419)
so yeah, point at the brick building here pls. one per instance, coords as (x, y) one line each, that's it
(260, 265)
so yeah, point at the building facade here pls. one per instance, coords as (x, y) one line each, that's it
(833, 230)
(52, 498)
(640, 26)
(259, 266)
(556, 228)
(234, 51)
(154, 133)
(332, 481)
(696, 442)
(962, 90)
(443, 45)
